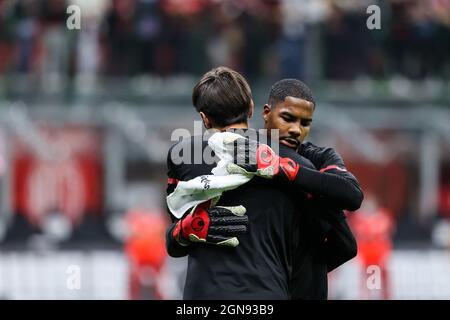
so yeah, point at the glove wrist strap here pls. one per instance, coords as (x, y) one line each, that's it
(178, 234)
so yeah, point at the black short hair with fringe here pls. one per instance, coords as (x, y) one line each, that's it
(223, 95)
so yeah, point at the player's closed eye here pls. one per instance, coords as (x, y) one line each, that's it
(306, 123)
(288, 118)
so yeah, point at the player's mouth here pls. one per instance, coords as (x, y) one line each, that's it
(290, 142)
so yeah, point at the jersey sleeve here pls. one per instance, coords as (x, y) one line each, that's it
(174, 249)
(331, 181)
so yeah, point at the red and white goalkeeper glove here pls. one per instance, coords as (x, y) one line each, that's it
(214, 225)
(250, 156)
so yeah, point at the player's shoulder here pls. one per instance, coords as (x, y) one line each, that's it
(186, 145)
(290, 153)
(310, 147)
(321, 156)
(185, 142)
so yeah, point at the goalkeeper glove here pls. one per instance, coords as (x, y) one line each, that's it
(250, 156)
(215, 225)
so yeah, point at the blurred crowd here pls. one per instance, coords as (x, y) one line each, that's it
(309, 39)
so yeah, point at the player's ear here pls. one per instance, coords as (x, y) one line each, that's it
(252, 108)
(266, 112)
(205, 120)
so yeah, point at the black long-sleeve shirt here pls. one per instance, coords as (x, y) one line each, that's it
(339, 188)
(332, 182)
(260, 267)
(326, 241)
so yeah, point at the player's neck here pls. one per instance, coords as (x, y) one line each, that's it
(234, 126)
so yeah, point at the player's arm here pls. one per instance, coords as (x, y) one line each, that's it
(174, 248)
(203, 224)
(340, 243)
(210, 225)
(250, 156)
(341, 193)
(329, 161)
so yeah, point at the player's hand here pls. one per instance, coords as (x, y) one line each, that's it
(214, 225)
(250, 156)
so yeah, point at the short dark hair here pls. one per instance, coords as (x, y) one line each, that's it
(290, 88)
(224, 96)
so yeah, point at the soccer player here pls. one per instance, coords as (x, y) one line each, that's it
(311, 180)
(259, 267)
(325, 239)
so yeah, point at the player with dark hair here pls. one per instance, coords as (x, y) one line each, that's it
(260, 239)
(259, 267)
(326, 240)
(234, 106)
(289, 88)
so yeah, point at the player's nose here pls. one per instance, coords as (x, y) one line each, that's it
(295, 131)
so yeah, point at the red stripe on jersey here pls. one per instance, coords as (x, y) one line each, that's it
(333, 167)
(172, 181)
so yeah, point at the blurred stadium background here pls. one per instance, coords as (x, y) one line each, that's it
(86, 118)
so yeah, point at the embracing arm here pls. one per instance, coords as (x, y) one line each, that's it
(174, 248)
(332, 181)
(205, 224)
(342, 192)
(341, 245)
